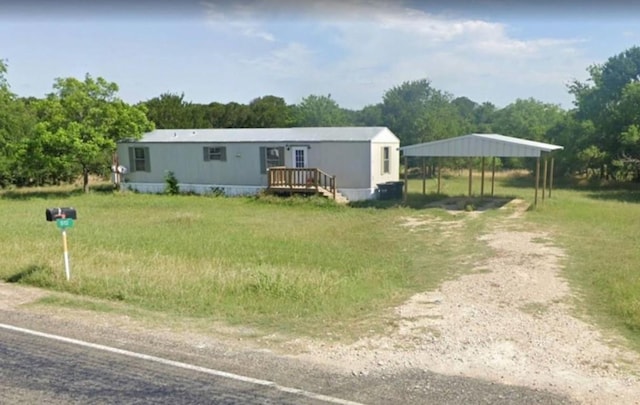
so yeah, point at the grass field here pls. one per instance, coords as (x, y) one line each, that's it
(304, 266)
(300, 265)
(599, 228)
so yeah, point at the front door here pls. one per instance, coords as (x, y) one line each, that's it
(299, 157)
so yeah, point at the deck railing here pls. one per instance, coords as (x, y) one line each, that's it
(301, 179)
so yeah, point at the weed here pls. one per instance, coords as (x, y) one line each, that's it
(171, 186)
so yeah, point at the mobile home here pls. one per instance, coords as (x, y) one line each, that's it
(238, 161)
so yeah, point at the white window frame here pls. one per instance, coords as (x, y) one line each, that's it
(386, 159)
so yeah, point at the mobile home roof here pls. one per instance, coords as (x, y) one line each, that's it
(343, 134)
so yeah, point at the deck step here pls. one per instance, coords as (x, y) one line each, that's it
(340, 199)
(306, 180)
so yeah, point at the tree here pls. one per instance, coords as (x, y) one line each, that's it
(270, 112)
(44, 157)
(403, 107)
(236, 115)
(197, 116)
(607, 100)
(528, 119)
(627, 115)
(319, 111)
(369, 116)
(477, 117)
(579, 155)
(416, 112)
(81, 121)
(168, 111)
(16, 124)
(466, 108)
(484, 117)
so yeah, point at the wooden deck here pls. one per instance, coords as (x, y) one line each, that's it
(302, 180)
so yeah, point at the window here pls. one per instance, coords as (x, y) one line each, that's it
(215, 153)
(273, 157)
(139, 159)
(270, 157)
(386, 160)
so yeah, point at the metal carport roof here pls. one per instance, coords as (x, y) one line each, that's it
(484, 145)
(479, 145)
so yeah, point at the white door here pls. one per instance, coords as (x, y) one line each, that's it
(299, 157)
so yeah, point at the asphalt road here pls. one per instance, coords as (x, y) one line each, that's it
(40, 370)
(118, 367)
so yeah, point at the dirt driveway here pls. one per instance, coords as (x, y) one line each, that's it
(509, 322)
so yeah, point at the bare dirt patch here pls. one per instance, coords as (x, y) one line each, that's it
(13, 296)
(457, 205)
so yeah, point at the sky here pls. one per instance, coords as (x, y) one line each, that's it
(494, 51)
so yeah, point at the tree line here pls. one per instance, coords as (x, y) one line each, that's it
(72, 132)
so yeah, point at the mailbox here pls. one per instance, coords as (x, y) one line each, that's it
(59, 213)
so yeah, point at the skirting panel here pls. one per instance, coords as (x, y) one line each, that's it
(352, 194)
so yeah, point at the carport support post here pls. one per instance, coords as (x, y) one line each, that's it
(439, 173)
(493, 173)
(535, 197)
(406, 179)
(551, 177)
(544, 178)
(482, 179)
(424, 176)
(470, 174)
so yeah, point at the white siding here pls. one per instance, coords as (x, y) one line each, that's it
(186, 161)
(357, 164)
(348, 161)
(386, 136)
(377, 173)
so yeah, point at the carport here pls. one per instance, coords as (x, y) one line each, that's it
(485, 145)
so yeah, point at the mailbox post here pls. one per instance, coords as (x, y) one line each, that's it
(64, 218)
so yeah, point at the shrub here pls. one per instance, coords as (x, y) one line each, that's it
(171, 184)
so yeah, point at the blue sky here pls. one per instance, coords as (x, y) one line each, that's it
(354, 50)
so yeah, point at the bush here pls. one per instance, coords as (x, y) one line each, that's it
(171, 184)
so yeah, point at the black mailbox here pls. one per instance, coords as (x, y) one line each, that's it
(65, 212)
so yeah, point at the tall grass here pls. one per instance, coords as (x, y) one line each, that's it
(599, 229)
(308, 265)
(296, 264)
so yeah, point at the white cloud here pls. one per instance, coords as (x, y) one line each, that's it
(362, 48)
(239, 19)
(291, 59)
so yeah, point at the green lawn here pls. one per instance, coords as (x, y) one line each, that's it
(600, 229)
(305, 266)
(300, 265)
